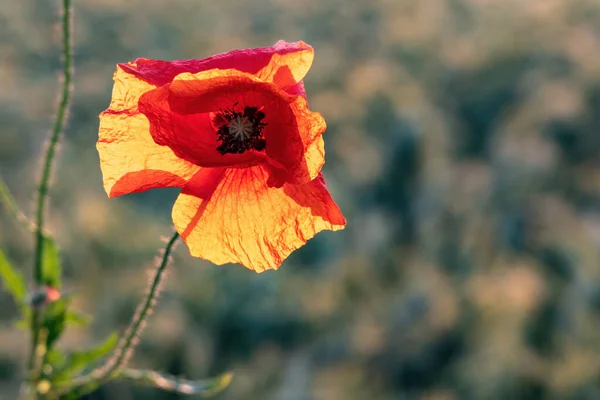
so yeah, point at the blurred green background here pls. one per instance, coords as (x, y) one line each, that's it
(463, 146)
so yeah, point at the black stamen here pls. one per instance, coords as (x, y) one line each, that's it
(236, 145)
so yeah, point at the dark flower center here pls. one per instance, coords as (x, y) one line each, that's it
(240, 131)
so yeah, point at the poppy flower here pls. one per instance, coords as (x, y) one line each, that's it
(234, 131)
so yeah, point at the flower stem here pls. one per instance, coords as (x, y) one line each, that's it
(84, 384)
(42, 193)
(124, 350)
(59, 124)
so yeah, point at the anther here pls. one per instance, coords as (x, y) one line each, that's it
(240, 131)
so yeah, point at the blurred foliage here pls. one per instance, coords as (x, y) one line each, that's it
(463, 146)
(51, 266)
(12, 281)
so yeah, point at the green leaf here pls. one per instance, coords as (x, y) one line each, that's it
(25, 322)
(51, 267)
(77, 318)
(79, 360)
(72, 317)
(12, 280)
(55, 321)
(55, 357)
(22, 324)
(204, 388)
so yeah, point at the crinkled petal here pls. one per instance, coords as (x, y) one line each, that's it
(180, 115)
(286, 68)
(234, 216)
(191, 135)
(130, 159)
(284, 64)
(311, 126)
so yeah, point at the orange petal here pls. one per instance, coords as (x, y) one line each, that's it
(288, 68)
(129, 158)
(311, 126)
(233, 216)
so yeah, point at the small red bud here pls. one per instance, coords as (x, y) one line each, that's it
(52, 294)
(44, 296)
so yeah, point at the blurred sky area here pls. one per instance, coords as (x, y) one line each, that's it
(463, 146)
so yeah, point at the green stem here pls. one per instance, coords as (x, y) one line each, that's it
(42, 193)
(85, 384)
(59, 124)
(123, 352)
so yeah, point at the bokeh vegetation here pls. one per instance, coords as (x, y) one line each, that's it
(463, 147)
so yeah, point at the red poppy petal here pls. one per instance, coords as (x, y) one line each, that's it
(181, 120)
(284, 63)
(192, 137)
(310, 126)
(233, 216)
(129, 158)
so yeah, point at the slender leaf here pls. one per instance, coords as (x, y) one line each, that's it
(204, 388)
(12, 280)
(55, 358)
(22, 324)
(79, 360)
(25, 322)
(55, 321)
(72, 317)
(77, 318)
(8, 201)
(51, 267)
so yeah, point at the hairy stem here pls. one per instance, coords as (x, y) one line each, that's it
(42, 193)
(124, 349)
(59, 124)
